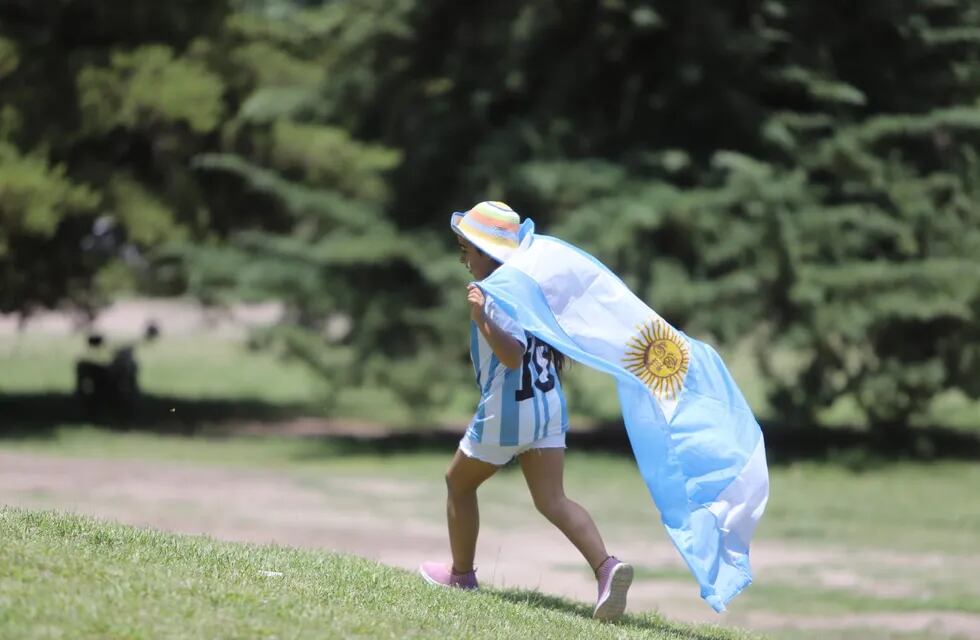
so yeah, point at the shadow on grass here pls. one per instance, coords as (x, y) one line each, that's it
(34, 415)
(646, 622)
(865, 449)
(855, 449)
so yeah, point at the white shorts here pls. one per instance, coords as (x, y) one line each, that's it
(500, 455)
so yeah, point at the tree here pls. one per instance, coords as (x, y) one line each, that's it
(306, 204)
(801, 173)
(800, 177)
(96, 131)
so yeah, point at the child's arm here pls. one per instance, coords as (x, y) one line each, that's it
(508, 349)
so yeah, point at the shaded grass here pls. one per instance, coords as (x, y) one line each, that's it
(81, 578)
(815, 600)
(195, 368)
(206, 379)
(200, 368)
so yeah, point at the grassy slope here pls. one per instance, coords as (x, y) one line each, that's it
(892, 510)
(71, 577)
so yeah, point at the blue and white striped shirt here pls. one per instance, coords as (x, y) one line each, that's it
(517, 406)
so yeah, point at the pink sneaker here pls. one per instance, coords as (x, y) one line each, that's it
(614, 578)
(443, 576)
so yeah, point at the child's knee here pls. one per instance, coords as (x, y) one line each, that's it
(551, 506)
(458, 486)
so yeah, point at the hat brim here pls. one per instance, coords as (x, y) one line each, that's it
(500, 254)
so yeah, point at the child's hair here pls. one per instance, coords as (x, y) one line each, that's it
(559, 359)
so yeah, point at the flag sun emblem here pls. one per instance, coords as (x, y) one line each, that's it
(659, 357)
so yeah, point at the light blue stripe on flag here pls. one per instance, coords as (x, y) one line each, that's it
(701, 454)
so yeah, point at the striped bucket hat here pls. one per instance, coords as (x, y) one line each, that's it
(493, 227)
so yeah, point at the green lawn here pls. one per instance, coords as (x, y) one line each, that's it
(189, 368)
(199, 368)
(871, 524)
(902, 534)
(908, 507)
(73, 577)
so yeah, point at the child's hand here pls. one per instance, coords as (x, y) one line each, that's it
(476, 299)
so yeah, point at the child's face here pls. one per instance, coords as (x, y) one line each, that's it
(479, 264)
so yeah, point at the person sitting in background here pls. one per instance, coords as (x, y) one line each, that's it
(106, 379)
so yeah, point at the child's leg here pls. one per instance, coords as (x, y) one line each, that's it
(544, 471)
(462, 479)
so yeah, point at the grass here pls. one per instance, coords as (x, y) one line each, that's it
(866, 633)
(912, 507)
(189, 368)
(198, 587)
(902, 506)
(199, 368)
(72, 577)
(870, 521)
(812, 601)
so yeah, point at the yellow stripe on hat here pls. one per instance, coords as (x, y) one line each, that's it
(497, 211)
(475, 233)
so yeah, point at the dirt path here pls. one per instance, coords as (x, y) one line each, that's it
(263, 506)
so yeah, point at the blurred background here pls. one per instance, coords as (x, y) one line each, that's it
(224, 250)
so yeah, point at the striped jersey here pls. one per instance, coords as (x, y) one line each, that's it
(517, 406)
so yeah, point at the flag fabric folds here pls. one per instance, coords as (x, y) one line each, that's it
(696, 443)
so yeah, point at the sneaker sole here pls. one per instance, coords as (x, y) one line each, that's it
(435, 583)
(431, 581)
(614, 604)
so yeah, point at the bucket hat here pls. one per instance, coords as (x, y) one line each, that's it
(493, 227)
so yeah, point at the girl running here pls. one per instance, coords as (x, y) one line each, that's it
(521, 413)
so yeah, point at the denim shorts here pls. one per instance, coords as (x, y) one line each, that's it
(500, 455)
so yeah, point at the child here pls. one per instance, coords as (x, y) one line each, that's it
(521, 413)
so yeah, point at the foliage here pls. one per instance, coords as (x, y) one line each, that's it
(147, 88)
(779, 168)
(801, 175)
(101, 112)
(37, 203)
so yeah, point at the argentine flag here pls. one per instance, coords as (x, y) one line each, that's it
(697, 444)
